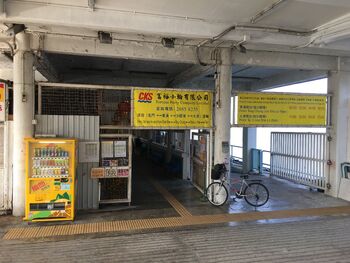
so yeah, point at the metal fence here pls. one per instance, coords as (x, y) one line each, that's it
(300, 157)
(112, 105)
(236, 152)
(84, 128)
(266, 159)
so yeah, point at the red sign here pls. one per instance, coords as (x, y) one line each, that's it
(2, 101)
(40, 186)
(145, 97)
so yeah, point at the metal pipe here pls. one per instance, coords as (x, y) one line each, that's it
(266, 11)
(277, 30)
(10, 46)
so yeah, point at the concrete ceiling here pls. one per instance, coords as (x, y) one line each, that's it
(249, 73)
(99, 70)
(293, 26)
(69, 65)
(304, 24)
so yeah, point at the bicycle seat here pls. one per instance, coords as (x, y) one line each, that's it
(245, 176)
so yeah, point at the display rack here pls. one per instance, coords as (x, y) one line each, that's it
(116, 160)
(50, 179)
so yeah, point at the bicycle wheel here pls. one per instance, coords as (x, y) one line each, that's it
(256, 194)
(216, 194)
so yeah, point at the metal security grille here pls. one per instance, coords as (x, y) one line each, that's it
(68, 101)
(114, 188)
(300, 157)
(112, 105)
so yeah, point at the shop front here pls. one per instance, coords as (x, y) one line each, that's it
(107, 122)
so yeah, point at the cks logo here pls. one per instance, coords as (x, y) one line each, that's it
(145, 97)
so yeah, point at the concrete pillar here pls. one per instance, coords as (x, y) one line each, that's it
(149, 143)
(169, 149)
(222, 109)
(186, 158)
(338, 85)
(249, 142)
(23, 113)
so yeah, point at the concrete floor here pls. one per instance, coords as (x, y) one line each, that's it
(264, 240)
(315, 240)
(147, 202)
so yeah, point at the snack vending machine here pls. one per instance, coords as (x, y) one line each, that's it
(50, 179)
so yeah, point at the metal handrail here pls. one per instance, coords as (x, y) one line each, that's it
(266, 165)
(235, 156)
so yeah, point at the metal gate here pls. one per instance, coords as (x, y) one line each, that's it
(300, 157)
(200, 156)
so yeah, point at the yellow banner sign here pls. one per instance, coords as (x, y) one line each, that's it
(2, 92)
(281, 109)
(172, 108)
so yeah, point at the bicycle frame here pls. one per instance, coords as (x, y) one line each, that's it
(249, 190)
(243, 184)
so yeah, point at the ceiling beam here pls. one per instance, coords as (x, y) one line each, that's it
(105, 79)
(344, 64)
(193, 73)
(203, 84)
(180, 53)
(126, 49)
(111, 17)
(108, 18)
(286, 78)
(73, 73)
(285, 60)
(46, 68)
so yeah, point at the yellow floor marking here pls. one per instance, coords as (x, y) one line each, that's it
(180, 209)
(170, 222)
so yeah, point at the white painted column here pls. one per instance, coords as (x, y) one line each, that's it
(169, 149)
(222, 109)
(186, 158)
(249, 142)
(338, 85)
(23, 113)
